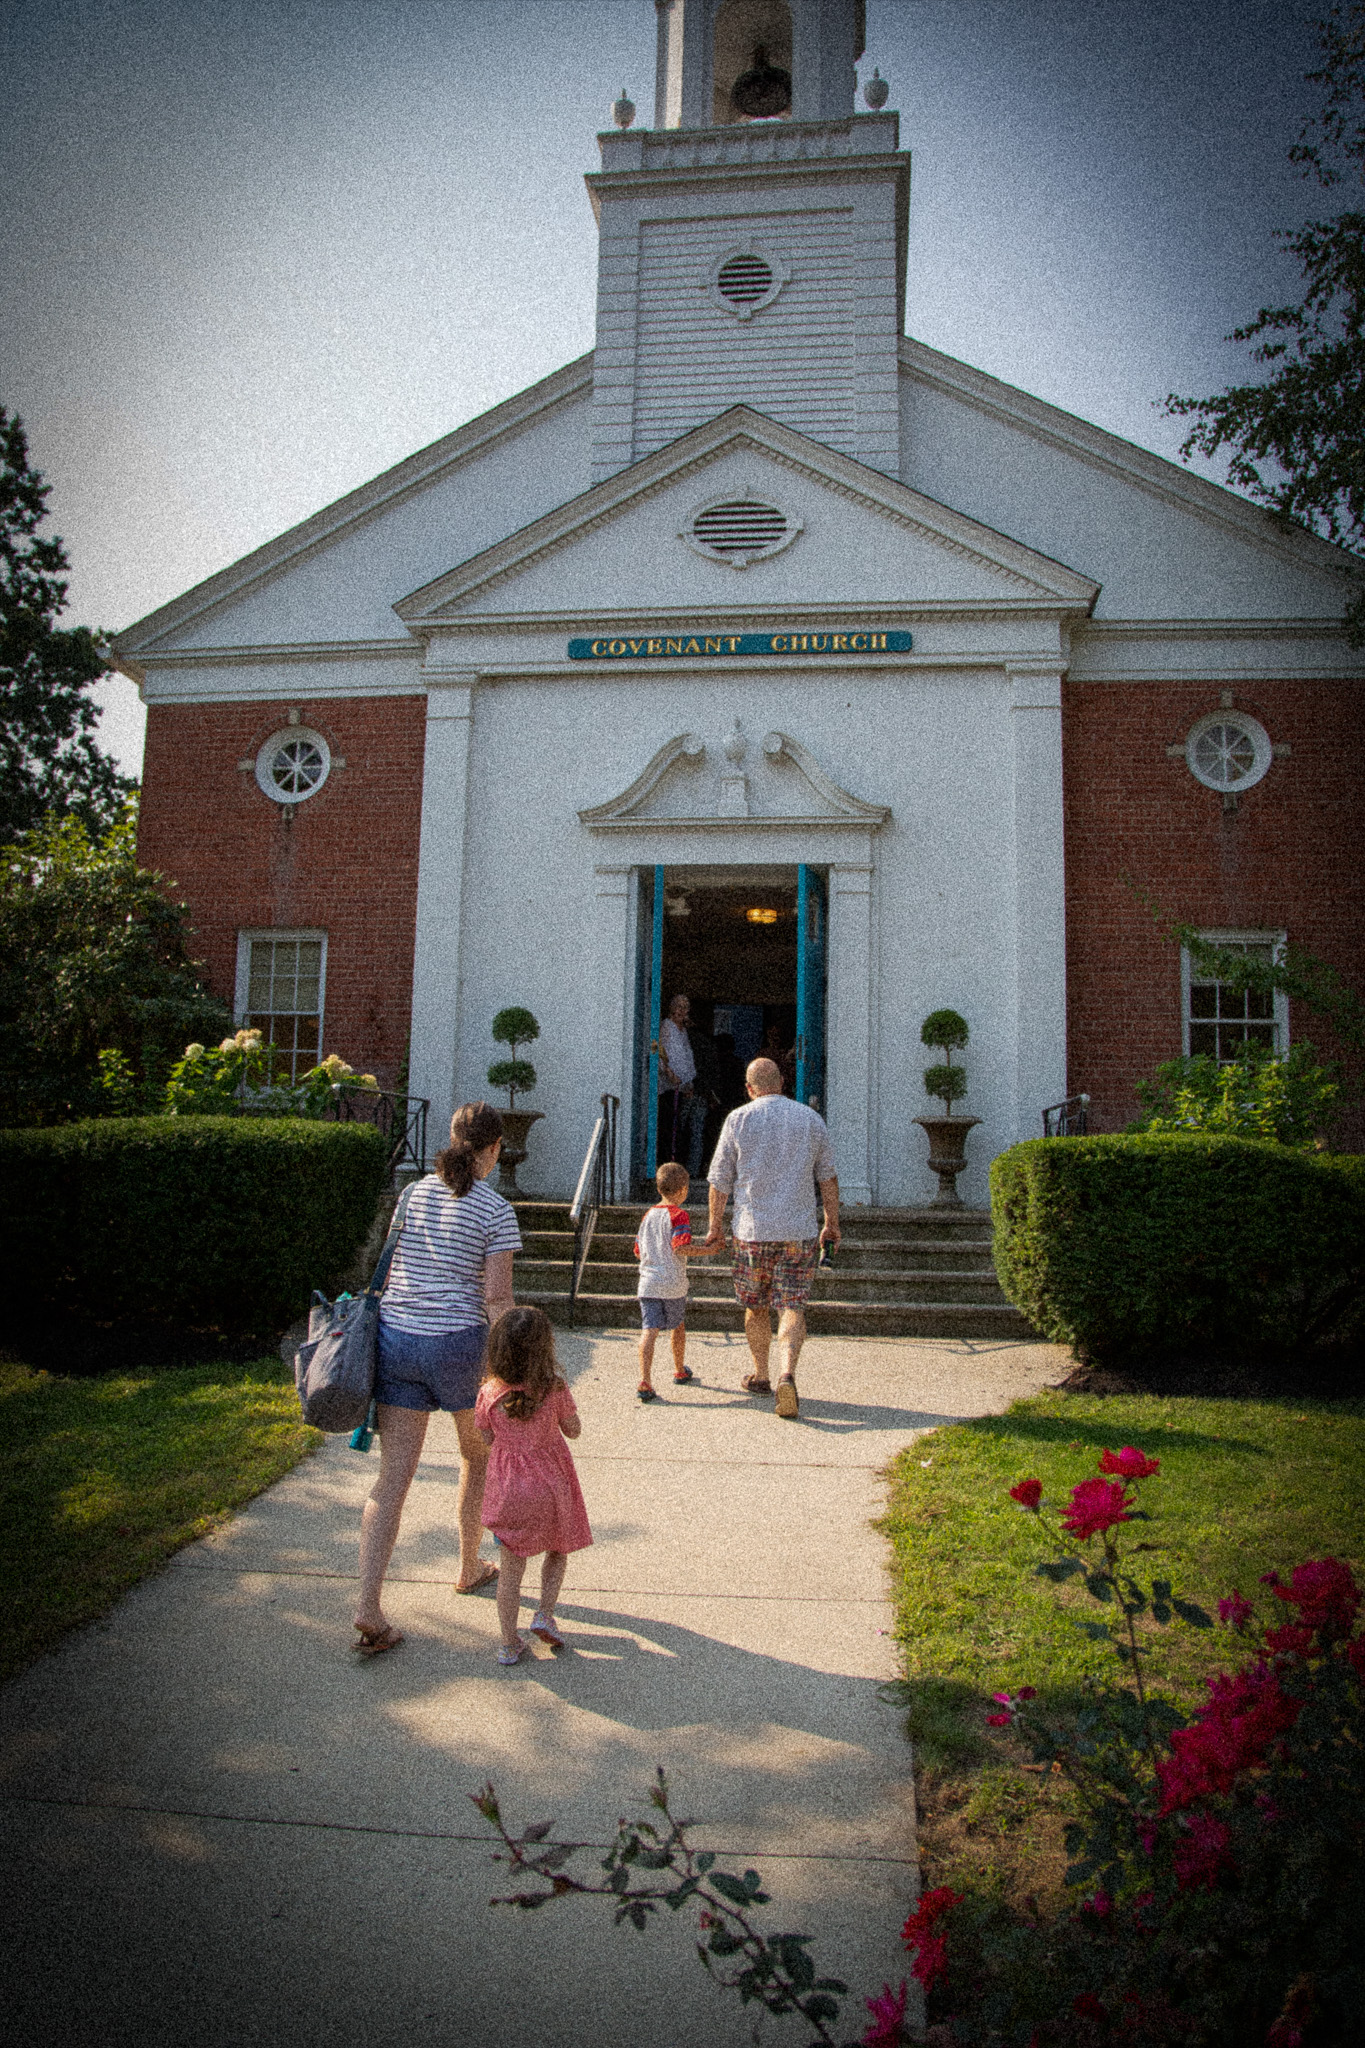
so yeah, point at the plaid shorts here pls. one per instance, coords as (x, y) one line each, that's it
(776, 1275)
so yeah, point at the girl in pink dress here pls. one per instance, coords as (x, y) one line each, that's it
(532, 1501)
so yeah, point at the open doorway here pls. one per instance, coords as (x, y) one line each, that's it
(746, 947)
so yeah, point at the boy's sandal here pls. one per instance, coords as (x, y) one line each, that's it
(544, 1627)
(511, 1653)
(644, 1393)
(374, 1641)
(752, 1384)
(487, 1577)
(788, 1406)
(680, 1379)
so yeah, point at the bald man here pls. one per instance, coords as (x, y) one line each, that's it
(771, 1155)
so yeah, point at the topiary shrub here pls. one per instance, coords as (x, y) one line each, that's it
(513, 1027)
(1117, 1245)
(946, 1030)
(222, 1221)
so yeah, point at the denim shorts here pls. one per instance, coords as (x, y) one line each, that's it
(662, 1311)
(444, 1371)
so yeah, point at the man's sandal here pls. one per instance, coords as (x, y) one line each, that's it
(374, 1641)
(487, 1577)
(684, 1377)
(788, 1407)
(752, 1384)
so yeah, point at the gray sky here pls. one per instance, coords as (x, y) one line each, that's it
(255, 252)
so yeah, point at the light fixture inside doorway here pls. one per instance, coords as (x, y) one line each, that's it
(760, 916)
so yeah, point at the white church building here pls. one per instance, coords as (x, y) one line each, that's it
(767, 656)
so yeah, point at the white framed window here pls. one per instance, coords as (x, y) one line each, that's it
(293, 764)
(1219, 1019)
(739, 528)
(747, 278)
(1228, 751)
(281, 992)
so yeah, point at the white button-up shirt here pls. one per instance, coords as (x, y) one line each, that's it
(770, 1155)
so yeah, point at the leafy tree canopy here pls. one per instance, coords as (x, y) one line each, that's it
(1295, 439)
(49, 761)
(94, 959)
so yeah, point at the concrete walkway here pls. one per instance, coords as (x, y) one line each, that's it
(222, 1828)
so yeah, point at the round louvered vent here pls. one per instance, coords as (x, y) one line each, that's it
(741, 531)
(745, 279)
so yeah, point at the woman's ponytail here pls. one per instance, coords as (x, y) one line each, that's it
(473, 1128)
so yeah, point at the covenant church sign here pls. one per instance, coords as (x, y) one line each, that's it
(726, 644)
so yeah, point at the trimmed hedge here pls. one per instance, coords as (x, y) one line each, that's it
(208, 1220)
(1174, 1242)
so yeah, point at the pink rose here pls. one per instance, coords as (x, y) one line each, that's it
(888, 2018)
(1096, 1504)
(1129, 1463)
(1236, 1610)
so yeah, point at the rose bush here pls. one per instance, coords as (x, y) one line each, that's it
(1224, 1849)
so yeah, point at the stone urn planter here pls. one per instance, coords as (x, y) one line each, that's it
(516, 1125)
(947, 1155)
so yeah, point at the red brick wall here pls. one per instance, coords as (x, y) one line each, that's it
(344, 861)
(1288, 858)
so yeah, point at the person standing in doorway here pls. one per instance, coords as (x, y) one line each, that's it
(772, 1154)
(682, 1113)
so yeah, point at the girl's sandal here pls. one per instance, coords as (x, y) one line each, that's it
(511, 1653)
(644, 1393)
(544, 1627)
(374, 1641)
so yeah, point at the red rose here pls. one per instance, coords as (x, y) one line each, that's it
(1096, 1504)
(1200, 1852)
(1129, 1463)
(1028, 1493)
(1325, 1594)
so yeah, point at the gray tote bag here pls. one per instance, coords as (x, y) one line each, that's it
(334, 1366)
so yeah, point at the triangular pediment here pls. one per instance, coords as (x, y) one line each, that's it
(729, 779)
(860, 539)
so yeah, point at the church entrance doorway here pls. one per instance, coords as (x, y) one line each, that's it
(747, 947)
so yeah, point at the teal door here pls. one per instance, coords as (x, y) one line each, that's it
(656, 979)
(812, 953)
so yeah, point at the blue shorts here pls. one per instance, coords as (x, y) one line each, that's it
(430, 1372)
(665, 1312)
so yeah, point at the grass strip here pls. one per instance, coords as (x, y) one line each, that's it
(1244, 1485)
(105, 1478)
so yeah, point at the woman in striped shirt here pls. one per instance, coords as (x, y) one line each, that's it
(451, 1278)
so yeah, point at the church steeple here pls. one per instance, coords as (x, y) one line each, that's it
(708, 48)
(753, 242)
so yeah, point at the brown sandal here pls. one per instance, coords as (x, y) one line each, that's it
(374, 1641)
(752, 1384)
(486, 1578)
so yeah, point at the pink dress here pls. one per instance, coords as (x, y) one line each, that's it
(531, 1498)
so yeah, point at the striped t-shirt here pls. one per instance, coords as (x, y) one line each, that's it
(436, 1280)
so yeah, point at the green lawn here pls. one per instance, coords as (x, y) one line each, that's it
(1244, 1485)
(104, 1478)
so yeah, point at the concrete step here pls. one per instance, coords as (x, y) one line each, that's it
(712, 1282)
(920, 1255)
(823, 1318)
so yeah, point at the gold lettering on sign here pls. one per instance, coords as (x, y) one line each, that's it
(840, 643)
(732, 641)
(673, 647)
(778, 643)
(858, 643)
(616, 647)
(599, 646)
(711, 646)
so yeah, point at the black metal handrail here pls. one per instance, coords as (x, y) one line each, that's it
(401, 1118)
(1069, 1119)
(596, 1188)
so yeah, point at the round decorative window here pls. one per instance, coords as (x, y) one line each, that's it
(293, 764)
(745, 280)
(1228, 751)
(739, 530)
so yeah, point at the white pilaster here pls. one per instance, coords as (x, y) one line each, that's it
(1040, 894)
(848, 1026)
(440, 891)
(614, 999)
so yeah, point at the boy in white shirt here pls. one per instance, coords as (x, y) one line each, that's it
(663, 1247)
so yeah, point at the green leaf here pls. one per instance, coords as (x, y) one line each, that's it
(1161, 1589)
(731, 1887)
(1195, 1616)
(819, 2007)
(1098, 1586)
(706, 1859)
(1160, 1612)
(1098, 1631)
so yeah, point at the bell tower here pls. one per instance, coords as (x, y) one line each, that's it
(752, 243)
